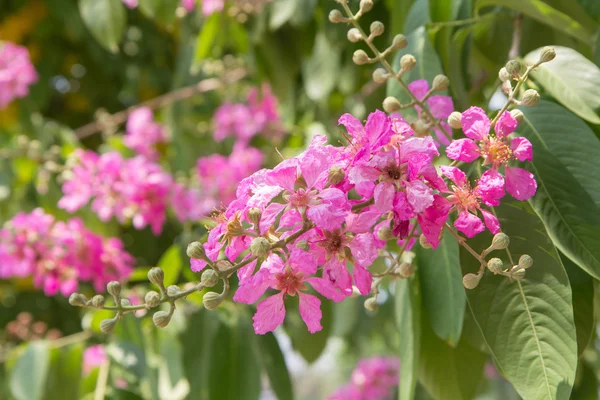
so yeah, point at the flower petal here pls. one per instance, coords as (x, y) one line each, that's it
(364, 249)
(464, 150)
(310, 311)
(326, 289)
(362, 280)
(469, 224)
(491, 187)
(520, 183)
(270, 313)
(475, 123)
(522, 149)
(384, 196)
(419, 195)
(455, 175)
(506, 124)
(491, 221)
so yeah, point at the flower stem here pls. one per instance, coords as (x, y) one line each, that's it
(461, 241)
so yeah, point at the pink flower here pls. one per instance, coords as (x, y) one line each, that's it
(93, 357)
(130, 3)
(189, 5)
(289, 279)
(440, 107)
(495, 149)
(16, 72)
(372, 379)
(211, 6)
(143, 134)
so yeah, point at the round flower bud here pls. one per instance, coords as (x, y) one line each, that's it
(353, 35)
(114, 288)
(211, 300)
(380, 75)
(156, 276)
(406, 270)
(470, 281)
(548, 54)
(399, 42)
(77, 300)
(336, 16)
(336, 175)
(407, 62)
(424, 242)
(254, 216)
(503, 75)
(513, 67)
(518, 274)
(500, 241)
(377, 28)
(530, 98)
(360, 57)
(385, 233)
(260, 247)
(161, 319)
(107, 325)
(440, 82)
(98, 301)
(302, 245)
(195, 250)
(152, 299)
(173, 290)
(391, 104)
(421, 128)
(495, 265)
(371, 304)
(517, 114)
(125, 303)
(366, 5)
(525, 261)
(223, 265)
(209, 278)
(454, 120)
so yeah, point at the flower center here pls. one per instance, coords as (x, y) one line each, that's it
(465, 198)
(301, 198)
(333, 242)
(393, 172)
(290, 282)
(497, 152)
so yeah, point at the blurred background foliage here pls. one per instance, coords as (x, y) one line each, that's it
(94, 64)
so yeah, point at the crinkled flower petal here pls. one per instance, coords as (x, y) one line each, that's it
(384, 196)
(475, 123)
(455, 175)
(469, 224)
(270, 313)
(326, 289)
(310, 311)
(506, 124)
(491, 187)
(520, 183)
(419, 195)
(362, 280)
(464, 150)
(491, 221)
(522, 149)
(364, 249)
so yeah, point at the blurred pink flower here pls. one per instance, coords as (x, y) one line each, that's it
(17, 72)
(373, 379)
(93, 357)
(143, 134)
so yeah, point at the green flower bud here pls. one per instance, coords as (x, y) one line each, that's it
(500, 241)
(336, 16)
(336, 175)
(380, 75)
(114, 288)
(421, 128)
(454, 120)
(513, 67)
(440, 82)
(371, 304)
(223, 265)
(161, 319)
(366, 5)
(495, 265)
(518, 273)
(152, 299)
(98, 301)
(209, 278)
(173, 290)
(424, 242)
(360, 57)
(107, 325)
(399, 42)
(385, 233)
(470, 281)
(125, 303)
(354, 35)
(212, 300)
(517, 114)
(548, 54)
(503, 75)
(196, 250)
(377, 28)
(406, 270)
(391, 104)
(254, 216)
(407, 62)
(156, 276)
(530, 98)
(78, 300)
(302, 245)
(260, 247)
(525, 261)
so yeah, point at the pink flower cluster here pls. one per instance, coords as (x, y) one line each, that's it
(244, 121)
(93, 357)
(210, 7)
(16, 72)
(440, 106)
(134, 189)
(314, 221)
(58, 255)
(144, 136)
(373, 379)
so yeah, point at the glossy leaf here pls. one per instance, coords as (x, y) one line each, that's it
(321, 70)
(568, 191)
(571, 79)
(106, 21)
(273, 362)
(417, 17)
(208, 37)
(527, 325)
(64, 376)
(172, 382)
(408, 321)
(443, 292)
(28, 377)
(171, 263)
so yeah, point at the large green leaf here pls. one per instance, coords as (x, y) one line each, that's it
(417, 17)
(545, 14)
(160, 10)
(568, 194)
(172, 382)
(171, 263)
(208, 36)
(106, 21)
(64, 376)
(443, 292)
(527, 325)
(399, 10)
(321, 70)
(449, 373)
(571, 79)
(310, 346)
(28, 377)
(274, 364)
(408, 320)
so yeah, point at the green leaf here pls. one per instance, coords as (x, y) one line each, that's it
(399, 10)
(28, 377)
(106, 20)
(408, 320)
(208, 37)
(172, 382)
(417, 17)
(571, 79)
(234, 370)
(274, 364)
(545, 14)
(321, 70)
(310, 346)
(162, 11)
(587, 383)
(281, 12)
(449, 373)
(443, 292)
(527, 325)
(568, 194)
(171, 263)
(64, 376)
